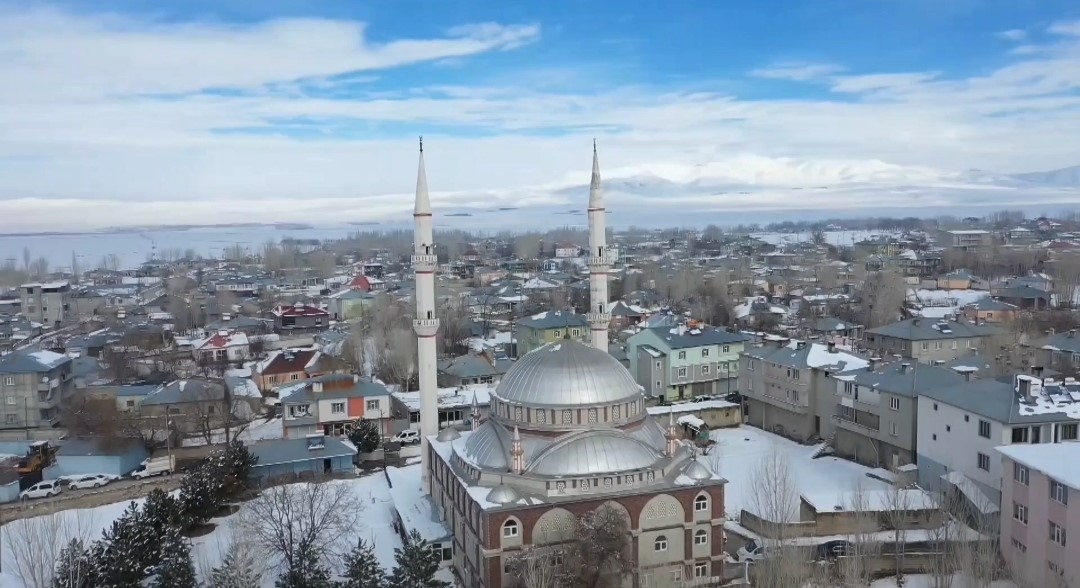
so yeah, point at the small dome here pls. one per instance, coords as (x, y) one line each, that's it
(697, 471)
(567, 373)
(448, 434)
(503, 494)
(486, 448)
(594, 453)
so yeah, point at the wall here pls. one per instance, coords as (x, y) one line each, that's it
(957, 445)
(73, 465)
(1032, 562)
(9, 492)
(314, 467)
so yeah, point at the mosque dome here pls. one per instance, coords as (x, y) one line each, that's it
(594, 452)
(566, 374)
(503, 494)
(698, 471)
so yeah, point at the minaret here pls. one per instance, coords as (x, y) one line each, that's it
(424, 262)
(517, 453)
(672, 435)
(475, 418)
(599, 262)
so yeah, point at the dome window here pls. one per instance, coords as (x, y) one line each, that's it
(629, 480)
(616, 412)
(541, 417)
(607, 483)
(560, 486)
(517, 413)
(510, 529)
(568, 417)
(585, 485)
(592, 415)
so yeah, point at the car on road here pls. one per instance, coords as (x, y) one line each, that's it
(406, 437)
(41, 490)
(90, 481)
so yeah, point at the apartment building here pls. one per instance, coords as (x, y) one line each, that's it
(790, 389)
(966, 240)
(46, 302)
(1037, 520)
(548, 327)
(288, 366)
(876, 410)
(929, 340)
(1056, 351)
(960, 426)
(683, 362)
(329, 404)
(33, 386)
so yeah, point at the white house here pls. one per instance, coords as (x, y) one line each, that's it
(222, 346)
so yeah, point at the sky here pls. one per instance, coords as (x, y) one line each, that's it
(120, 112)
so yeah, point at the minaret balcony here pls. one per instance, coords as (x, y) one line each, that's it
(425, 263)
(599, 263)
(598, 320)
(426, 327)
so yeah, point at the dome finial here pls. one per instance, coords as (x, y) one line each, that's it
(421, 143)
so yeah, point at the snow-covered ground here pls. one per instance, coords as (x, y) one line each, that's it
(374, 525)
(739, 451)
(258, 430)
(835, 238)
(924, 581)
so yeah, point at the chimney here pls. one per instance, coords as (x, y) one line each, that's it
(915, 322)
(800, 345)
(1023, 386)
(904, 367)
(316, 387)
(682, 329)
(225, 316)
(1037, 371)
(832, 346)
(223, 333)
(1050, 332)
(1072, 333)
(874, 361)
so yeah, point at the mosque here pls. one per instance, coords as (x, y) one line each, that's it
(567, 432)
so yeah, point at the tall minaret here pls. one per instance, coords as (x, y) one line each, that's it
(424, 262)
(599, 261)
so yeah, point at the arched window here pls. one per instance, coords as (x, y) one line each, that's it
(510, 529)
(701, 503)
(660, 544)
(701, 537)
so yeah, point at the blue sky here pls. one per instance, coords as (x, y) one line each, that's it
(149, 105)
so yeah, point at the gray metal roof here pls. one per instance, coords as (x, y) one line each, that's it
(554, 320)
(474, 365)
(360, 388)
(1065, 342)
(279, 451)
(897, 379)
(697, 337)
(565, 374)
(594, 452)
(181, 391)
(922, 329)
(31, 362)
(995, 399)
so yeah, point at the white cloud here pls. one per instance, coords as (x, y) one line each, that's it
(82, 145)
(798, 72)
(1068, 28)
(1013, 35)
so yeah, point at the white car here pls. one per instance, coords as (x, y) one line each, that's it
(752, 552)
(41, 490)
(407, 437)
(90, 481)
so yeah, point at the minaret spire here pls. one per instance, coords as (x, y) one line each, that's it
(599, 261)
(424, 263)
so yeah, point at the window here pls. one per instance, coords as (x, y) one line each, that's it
(935, 436)
(937, 344)
(676, 578)
(967, 418)
(658, 365)
(701, 569)
(510, 529)
(984, 429)
(272, 379)
(935, 406)
(948, 428)
(294, 377)
(1055, 568)
(10, 400)
(925, 346)
(1020, 473)
(704, 370)
(1059, 492)
(1057, 533)
(9, 381)
(893, 430)
(1020, 435)
(701, 503)
(954, 344)
(10, 419)
(575, 333)
(682, 372)
(727, 348)
(592, 415)
(894, 403)
(701, 537)
(1020, 512)
(984, 462)
(682, 355)
(658, 383)
(1067, 432)
(445, 552)
(660, 544)
(373, 405)
(337, 407)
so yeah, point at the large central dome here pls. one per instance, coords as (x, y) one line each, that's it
(567, 373)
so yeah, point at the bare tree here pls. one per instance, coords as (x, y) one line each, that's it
(775, 500)
(853, 569)
(897, 517)
(883, 295)
(1067, 280)
(396, 362)
(600, 556)
(34, 544)
(293, 520)
(538, 567)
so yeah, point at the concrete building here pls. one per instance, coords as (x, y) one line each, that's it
(472, 368)
(300, 318)
(308, 457)
(548, 327)
(46, 302)
(289, 366)
(789, 389)
(1056, 351)
(34, 385)
(929, 340)
(965, 240)
(678, 363)
(117, 457)
(329, 404)
(961, 425)
(1037, 519)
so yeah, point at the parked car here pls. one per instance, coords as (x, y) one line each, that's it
(43, 489)
(833, 549)
(752, 552)
(407, 437)
(90, 481)
(155, 466)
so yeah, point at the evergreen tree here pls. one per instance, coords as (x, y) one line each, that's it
(365, 435)
(416, 565)
(362, 569)
(73, 568)
(120, 558)
(237, 463)
(307, 572)
(235, 571)
(174, 569)
(199, 495)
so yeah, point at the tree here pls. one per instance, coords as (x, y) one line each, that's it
(174, 568)
(883, 294)
(362, 569)
(239, 568)
(365, 435)
(601, 554)
(416, 565)
(897, 516)
(538, 567)
(396, 362)
(73, 567)
(306, 571)
(35, 545)
(775, 500)
(854, 569)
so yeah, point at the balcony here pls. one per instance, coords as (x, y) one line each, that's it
(426, 327)
(425, 263)
(854, 427)
(598, 320)
(599, 262)
(781, 403)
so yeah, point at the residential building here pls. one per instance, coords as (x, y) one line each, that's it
(1024, 296)
(456, 406)
(300, 317)
(625, 315)
(789, 389)
(14, 329)
(472, 368)
(678, 363)
(196, 406)
(368, 283)
(287, 460)
(1057, 351)
(929, 340)
(876, 409)
(288, 366)
(329, 404)
(34, 385)
(348, 304)
(961, 425)
(965, 240)
(1040, 514)
(989, 310)
(546, 327)
(46, 302)
(239, 285)
(222, 347)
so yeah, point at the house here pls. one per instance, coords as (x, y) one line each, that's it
(875, 410)
(456, 405)
(690, 360)
(1024, 296)
(698, 415)
(546, 327)
(287, 366)
(840, 332)
(304, 458)
(1057, 351)
(300, 317)
(960, 426)
(15, 329)
(625, 315)
(348, 304)
(250, 326)
(239, 285)
(567, 251)
(367, 283)
(47, 303)
(222, 347)
(472, 368)
(329, 404)
(1038, 484)
(960, 279)
(127, 398)
(34, 385)
(965, 240)
(989, 310)
(196, 405)
(789, 388)
(929, 340)
(96, 455)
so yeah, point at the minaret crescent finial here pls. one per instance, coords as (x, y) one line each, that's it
(594, 145)
(421, 143)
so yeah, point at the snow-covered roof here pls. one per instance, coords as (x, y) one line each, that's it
(1055, 460)
(450, 397)
(683, 407)
(413, 506)
(909, 499)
